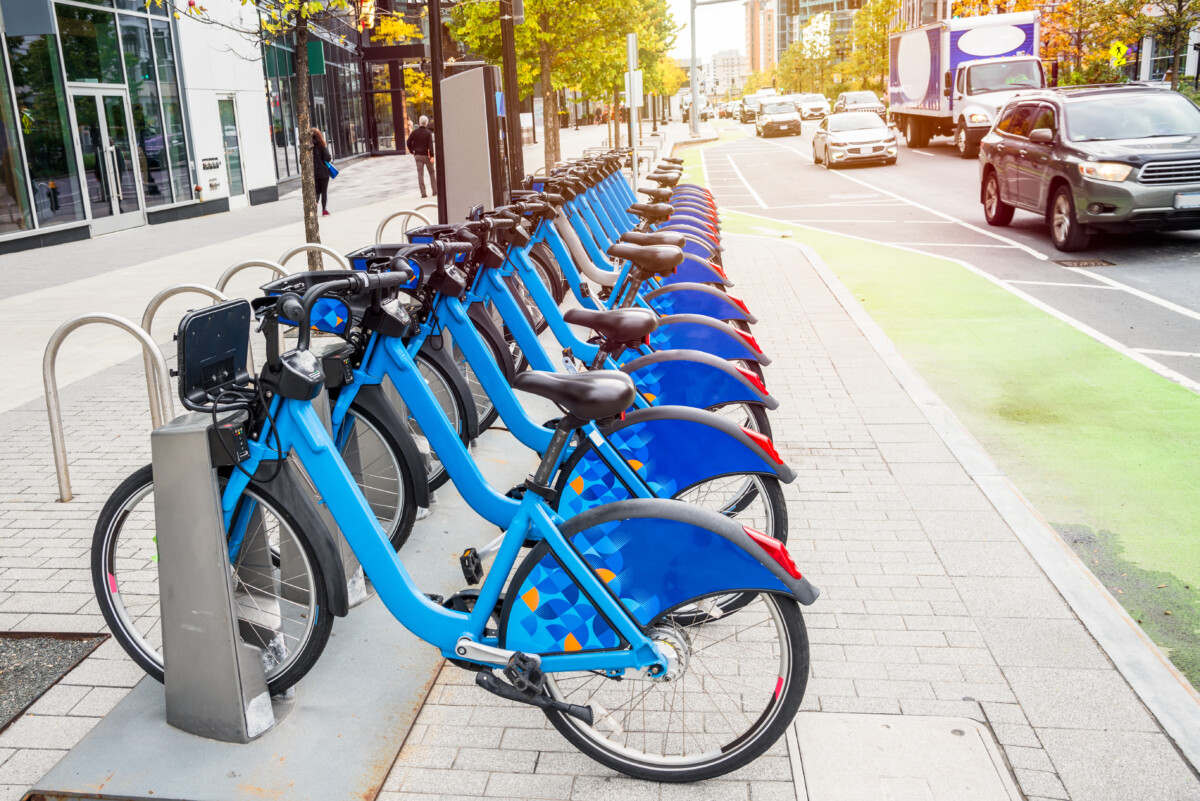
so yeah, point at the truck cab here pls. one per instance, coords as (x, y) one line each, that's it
(980, 88)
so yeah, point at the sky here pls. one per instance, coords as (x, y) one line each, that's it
(718, 27)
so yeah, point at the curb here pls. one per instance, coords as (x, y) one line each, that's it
(1162, 688)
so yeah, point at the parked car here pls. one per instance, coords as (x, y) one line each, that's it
(859, 101)
(779, 117)
(1112, 158)
(813, 106)
(850, 137)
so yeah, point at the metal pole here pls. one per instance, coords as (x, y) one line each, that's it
(694, 116)
(512, 108)
(436, 67)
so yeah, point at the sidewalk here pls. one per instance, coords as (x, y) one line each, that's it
(931, 606)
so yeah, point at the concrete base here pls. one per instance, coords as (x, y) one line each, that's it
(896, 758)
(349, 717)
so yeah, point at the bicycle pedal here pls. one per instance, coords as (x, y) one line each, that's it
(472, 566)
(524, 672)
(437, 599)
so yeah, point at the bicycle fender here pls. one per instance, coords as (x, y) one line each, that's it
(696, 270)
(293, 492)
(693, 246)
(671, 448)
(372, 398)
(691, 298)
(693, 378)
(434, 347)
(695, 332)
(653, 556)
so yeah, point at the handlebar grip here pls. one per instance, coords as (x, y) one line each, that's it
(291, 306)
(499, 222)
(455, 247)
(396, 277)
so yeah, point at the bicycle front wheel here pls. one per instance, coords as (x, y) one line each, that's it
(735, 684)
(279, 591)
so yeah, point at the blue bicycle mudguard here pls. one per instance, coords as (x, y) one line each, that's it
(690, 298)
(696, 270)
(693, 332)
(672, 448)
(654, 556)
(373, 400)
(695, 379)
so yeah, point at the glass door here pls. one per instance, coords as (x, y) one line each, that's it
(102, 130)
(233, 152)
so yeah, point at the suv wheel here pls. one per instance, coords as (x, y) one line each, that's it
(996, 211)
(1066, 231)
(966, 149)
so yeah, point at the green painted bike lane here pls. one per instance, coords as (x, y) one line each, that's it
(1106, 449)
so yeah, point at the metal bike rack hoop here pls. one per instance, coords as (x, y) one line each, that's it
(157, 386)
(395, 215)
(228, 275)
(313, 246)
(182, 289)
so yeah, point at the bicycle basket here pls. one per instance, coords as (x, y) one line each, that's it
(212, 344)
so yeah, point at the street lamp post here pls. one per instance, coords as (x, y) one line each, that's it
(694, 117)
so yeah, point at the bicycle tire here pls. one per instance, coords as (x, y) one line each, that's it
(484, 406)
(770, 725)
(398, 527)
(113, 517)
(548, 267)
(747, 415)
(453, 406)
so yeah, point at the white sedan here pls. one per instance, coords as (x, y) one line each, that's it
(853, 137)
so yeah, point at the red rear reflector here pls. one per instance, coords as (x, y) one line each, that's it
(741, 304)
(764, 442)
(753, 379)
(776, 550)
(751, 340)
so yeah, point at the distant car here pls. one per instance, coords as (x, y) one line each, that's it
(1113, 158)
(813, 106)
(850, 137)
(777, 117)
(859, 101)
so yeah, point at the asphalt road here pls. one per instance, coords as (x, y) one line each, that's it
(1145, 300)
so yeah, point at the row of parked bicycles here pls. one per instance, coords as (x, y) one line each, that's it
(640, 591)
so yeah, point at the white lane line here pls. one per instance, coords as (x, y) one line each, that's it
(943, 244)
(704, 167)
(1036, 254)
(1103, 339)
(1155, 299)
(747, 183)
(1063, 283)
(920, 152)
(1153, 352)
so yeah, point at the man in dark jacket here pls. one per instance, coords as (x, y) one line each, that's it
(420, 144)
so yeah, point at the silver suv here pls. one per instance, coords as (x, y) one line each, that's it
(1097, 158)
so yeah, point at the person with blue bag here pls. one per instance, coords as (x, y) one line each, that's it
(323, 169)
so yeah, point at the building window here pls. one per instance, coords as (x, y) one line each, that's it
(42, 117)
(15, 213)
(174, 136)
(90, 48)
(149, 135)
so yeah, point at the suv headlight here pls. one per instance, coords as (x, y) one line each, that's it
(978, 117)
(1105, 170)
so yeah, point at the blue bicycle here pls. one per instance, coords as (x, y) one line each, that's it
(597, 624)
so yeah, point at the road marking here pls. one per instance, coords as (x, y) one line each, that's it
(920, 152)
(1063, 283)
(747, 183)
(704, 167)
(1036, 254)
(941, 244)
(1155, 299)
(1153, 352)
(1102, 338)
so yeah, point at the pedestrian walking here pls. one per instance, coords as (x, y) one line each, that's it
(420, 144)
(321, 159)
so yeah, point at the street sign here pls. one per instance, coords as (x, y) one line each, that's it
(633, 94)
(1116, 54)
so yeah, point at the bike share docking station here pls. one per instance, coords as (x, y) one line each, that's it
(211, 732)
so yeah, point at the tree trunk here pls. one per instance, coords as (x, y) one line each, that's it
(553, 151)
(308, 186)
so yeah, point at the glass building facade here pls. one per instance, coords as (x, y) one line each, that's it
(92, 124)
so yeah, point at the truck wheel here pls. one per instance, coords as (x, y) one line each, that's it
(1066, 231)
(916, 135)
(966, 149)
(995, 210)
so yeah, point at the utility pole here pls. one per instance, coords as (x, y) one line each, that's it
(694, 116)
(512, 99)
(436, 69)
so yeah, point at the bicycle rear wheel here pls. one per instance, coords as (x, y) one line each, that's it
(375, 460)
(736, 685)
(453, 406)
(281, 597)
